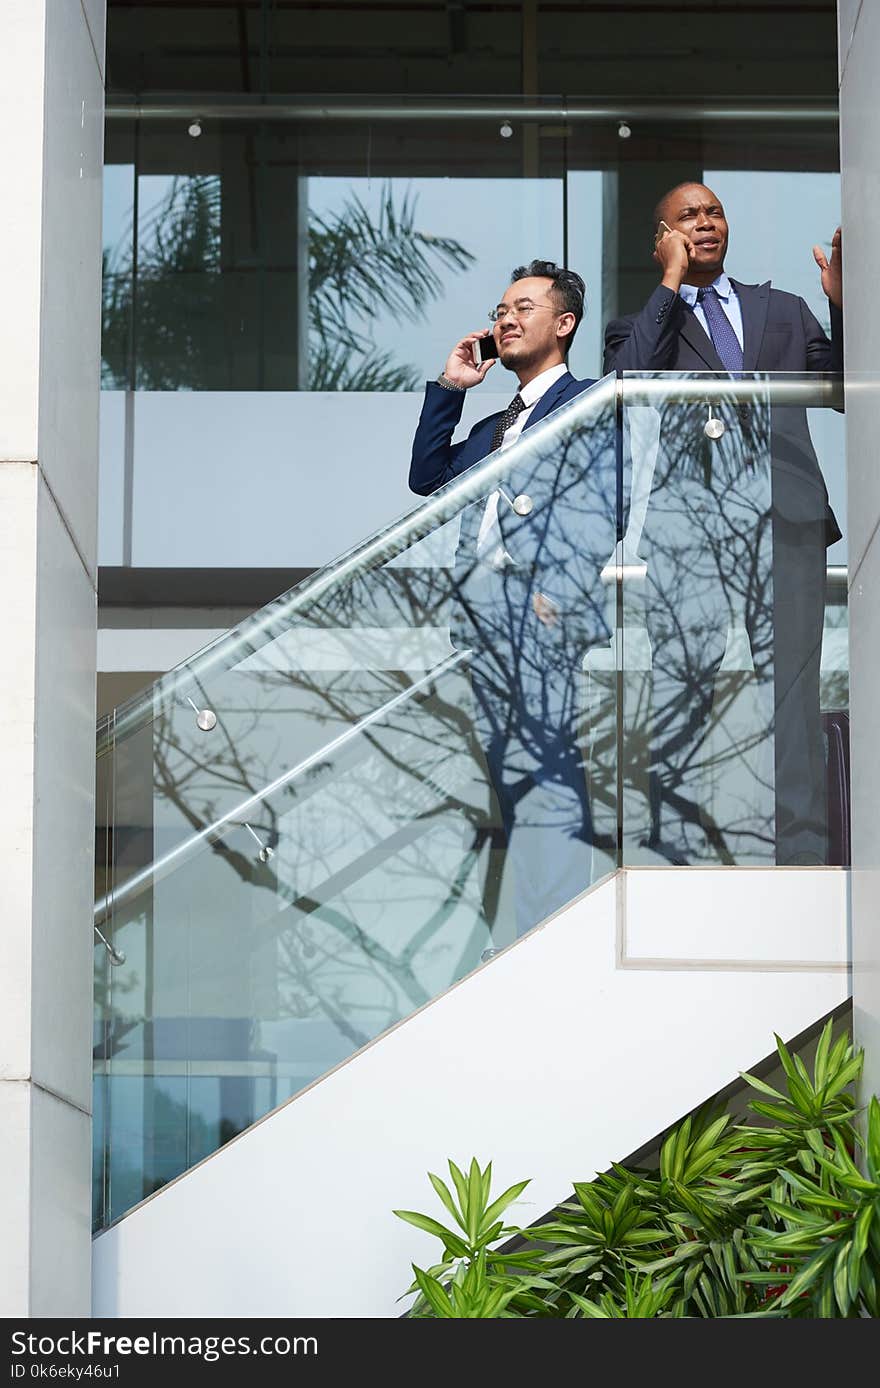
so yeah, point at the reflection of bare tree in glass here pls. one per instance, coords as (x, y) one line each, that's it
(371, 899)
(396, 773)
(708, 546)
(359, 269)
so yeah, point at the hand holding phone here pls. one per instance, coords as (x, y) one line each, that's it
(673, 252)
(463, 368)
(485, 349)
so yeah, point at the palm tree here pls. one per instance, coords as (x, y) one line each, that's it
(359, 268)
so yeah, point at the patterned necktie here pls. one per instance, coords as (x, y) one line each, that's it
(516, 406)
(724, 339)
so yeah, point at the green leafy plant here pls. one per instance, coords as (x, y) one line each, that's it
(643, 1299)
(471, 1281)
(774, 1217)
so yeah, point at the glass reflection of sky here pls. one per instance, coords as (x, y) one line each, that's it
(503, 223)
(775, 218)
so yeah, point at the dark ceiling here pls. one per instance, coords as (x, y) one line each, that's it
(648, 49)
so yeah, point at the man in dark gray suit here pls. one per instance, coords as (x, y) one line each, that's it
(698, 319)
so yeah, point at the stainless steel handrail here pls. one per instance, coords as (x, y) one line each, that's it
(324, 109)
(819, 390)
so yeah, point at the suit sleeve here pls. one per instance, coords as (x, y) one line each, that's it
(648, 341)
(823, 355)
(433, 452)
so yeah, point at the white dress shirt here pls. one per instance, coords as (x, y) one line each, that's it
(530, 395)
(489, 547)
(728, 299)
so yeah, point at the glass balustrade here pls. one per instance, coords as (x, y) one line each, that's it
(326, 818)
(565, 661)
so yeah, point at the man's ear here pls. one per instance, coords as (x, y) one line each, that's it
(564, 324)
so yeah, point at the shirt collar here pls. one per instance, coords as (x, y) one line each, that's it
(539, 385)
(722, 286)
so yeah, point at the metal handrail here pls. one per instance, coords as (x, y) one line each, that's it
(319, 108)
(818, 390)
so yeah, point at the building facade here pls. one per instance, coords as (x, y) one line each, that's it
(286, 217)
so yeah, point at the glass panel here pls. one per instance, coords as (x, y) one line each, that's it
(299, 255)
(265, 247)
(733, 721)
(327, 817)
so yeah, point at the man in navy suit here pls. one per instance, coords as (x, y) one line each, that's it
(699, 319)
(516, 604)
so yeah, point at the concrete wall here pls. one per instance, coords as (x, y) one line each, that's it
(859, 25)
(569, 1050)
(51, 144)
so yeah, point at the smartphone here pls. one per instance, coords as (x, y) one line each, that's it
(485, 349)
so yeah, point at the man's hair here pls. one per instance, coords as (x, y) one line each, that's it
(566, 285)
(685, 183)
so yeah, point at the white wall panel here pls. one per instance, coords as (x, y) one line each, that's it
(864, 687)
(15, 1193)
(18, 533)
(64, 777)
(71, 289)
(261, 479)
(784, 918)
(21, 158)
(60, 1208)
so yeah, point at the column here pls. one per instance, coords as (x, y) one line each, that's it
(859, 49)
(51, 136)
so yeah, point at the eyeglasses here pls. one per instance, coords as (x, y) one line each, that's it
(520, 310)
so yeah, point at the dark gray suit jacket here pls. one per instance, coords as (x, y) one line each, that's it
(779, 334)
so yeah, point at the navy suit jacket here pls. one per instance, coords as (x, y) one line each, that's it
(436, 459)
(779, 334)
(539, 560)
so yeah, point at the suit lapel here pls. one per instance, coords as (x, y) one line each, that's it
(549, 400)
(699, 341)
(754, 301)
(478, 445)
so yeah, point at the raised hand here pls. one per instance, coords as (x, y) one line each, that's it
(673, 252)
(460, 368)
(832, 270)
